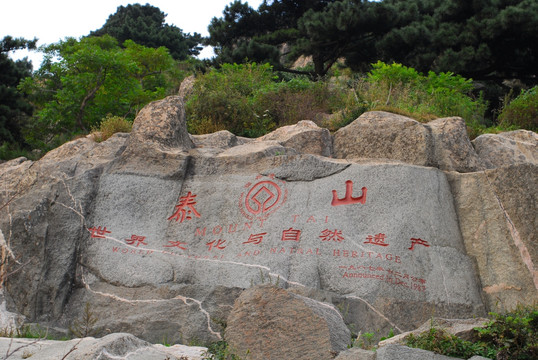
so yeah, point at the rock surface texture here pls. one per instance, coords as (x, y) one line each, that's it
(161, 232)
(268, 322)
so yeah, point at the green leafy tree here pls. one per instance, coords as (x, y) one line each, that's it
(14, 107)
(145, 25)
(81, 81)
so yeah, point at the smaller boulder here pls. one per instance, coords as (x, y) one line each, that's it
(268, 322)
(452, 149)
(356, 354)
(305, 137)
(220, 140)
(509, 148)
(463, 328)
(400, 352)
(383, 136)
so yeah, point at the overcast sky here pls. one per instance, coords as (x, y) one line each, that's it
(53, 20)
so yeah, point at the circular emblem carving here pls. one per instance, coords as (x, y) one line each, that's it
(262, 199)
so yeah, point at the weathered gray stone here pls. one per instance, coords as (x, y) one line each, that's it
(221, 140)
(462, 328)
(160, 237)
(452, 148)
(509, 148)
(442, 143)
(158, 141)
(356, 354)
(110, 347)
(187, 86)
(305, 137)
(399, 352)
(266, 318)
(381, 135)
(498, 220)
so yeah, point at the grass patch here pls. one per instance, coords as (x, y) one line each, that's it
(513, 336)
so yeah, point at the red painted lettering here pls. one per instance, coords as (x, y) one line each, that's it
(199, 232)
(181, 213)
(217, 230)
(349, 199)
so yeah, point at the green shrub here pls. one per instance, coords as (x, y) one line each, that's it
(249, 100)
(398, 88)
(441, 342)
(522, 111)
(511, 336)
(223, 99)
(298, 99)
(111, 125)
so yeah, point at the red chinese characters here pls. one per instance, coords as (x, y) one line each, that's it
(185, 208)
(415, 241)
(348, 199)
(291, 235)
(217, 244)
(177, 244)
(98, 232)
(378, 239)
(255, 238)
(327, 235)
(136, 240)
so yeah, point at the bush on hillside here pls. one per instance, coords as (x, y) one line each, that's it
(425, 97)
(111, 125)
(522, 112)
(511, 336)
(249, 100)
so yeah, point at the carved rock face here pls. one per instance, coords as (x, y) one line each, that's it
(161, 237)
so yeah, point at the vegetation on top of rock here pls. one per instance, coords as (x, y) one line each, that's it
(522, 111)
(513, 335)
(135, 58)
(251, 99)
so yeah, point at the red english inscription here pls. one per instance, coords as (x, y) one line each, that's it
(98, 232)
(348, 199)
(391, 277)
(184, 208)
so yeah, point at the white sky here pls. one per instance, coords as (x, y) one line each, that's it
(54, 20)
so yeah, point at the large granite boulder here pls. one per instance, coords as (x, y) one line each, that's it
(498, 221)
(266, 319)
(160, 232)
(305, 137)
(109, 347)
(509, 148)
(442, 143)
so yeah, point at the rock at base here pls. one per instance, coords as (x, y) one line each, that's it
(268, 322)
